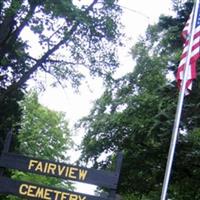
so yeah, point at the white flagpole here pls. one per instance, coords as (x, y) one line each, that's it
(179, 109)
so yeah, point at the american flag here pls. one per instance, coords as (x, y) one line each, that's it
(195, 51)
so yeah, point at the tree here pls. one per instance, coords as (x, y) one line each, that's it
(136, 115)
(75, 39)
(43, 134)
(128, 117)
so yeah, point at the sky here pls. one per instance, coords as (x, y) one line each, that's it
(137, 15)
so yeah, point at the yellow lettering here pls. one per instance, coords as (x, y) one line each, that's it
(73, 197)
(67, 171)
(56, 194)
(82, 174)
(64, 196)
(72, 172)
(61, 170)
(31, 189)
(45, 167)
(51, 168)
(81, 198)
(32, 163)
(47, 194)
(39, 167)
(40, 192)
(23, 189)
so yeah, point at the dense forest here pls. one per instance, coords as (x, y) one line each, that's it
(74, 40)
(134, 115)
(61, 26)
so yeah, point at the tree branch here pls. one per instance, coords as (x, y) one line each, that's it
(27, 75)
(43, 59)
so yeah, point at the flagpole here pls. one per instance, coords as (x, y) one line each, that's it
(178, 110)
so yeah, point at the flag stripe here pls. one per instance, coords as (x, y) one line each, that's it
(195, 51)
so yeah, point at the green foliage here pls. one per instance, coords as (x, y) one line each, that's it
(61, 26)
(136, 115)
(9, 114)
(43, 134)
(75, 39)
(151, 196)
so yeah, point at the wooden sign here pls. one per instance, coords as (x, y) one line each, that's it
(28, 190)
(68, 172)
(33, 191)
